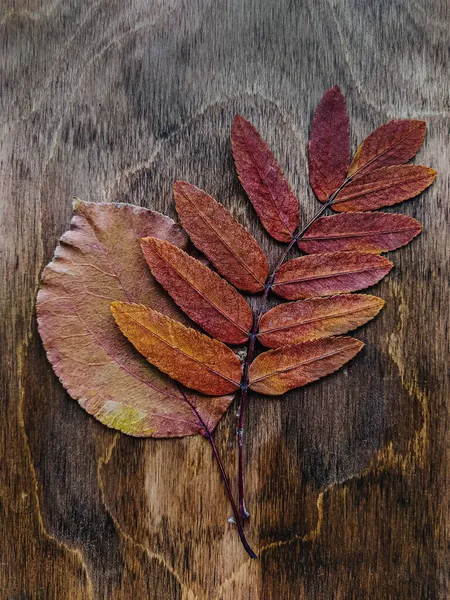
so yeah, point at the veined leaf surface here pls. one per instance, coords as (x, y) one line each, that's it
(202, 294)
(230, 247)
(193, 359)
(277, 371)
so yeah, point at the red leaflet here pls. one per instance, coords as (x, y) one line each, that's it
(329, 273)
(264, 181)
(394, 143)
(369, 232)
(316, 318)
(329, 145)
(278, 371)
(202, 294)
(384, 187)
(193, 359)
(231, 249)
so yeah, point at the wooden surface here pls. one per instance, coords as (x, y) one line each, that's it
(348, 479)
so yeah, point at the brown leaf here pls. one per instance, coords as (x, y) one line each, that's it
(329, 273)
(329, 145)
(316, 318)
(394, 143)
(368, 232)
(230, 247)
(98, 261)
(202, 294)
(264, 181)
(193, 359)
(277, 371)
(384, 187)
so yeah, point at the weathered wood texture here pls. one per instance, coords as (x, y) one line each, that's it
(348, 479)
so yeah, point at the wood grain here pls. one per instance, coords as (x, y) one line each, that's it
(348, 478)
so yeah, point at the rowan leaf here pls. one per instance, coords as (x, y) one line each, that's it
(190, 357)
(232, 250)
(99, 260)
(368, 232)
(329, 145)
(277, 371)
(384, 187)
(264, 181)
(329, 273)
(202, 294)
(394, 143)
(316, 318)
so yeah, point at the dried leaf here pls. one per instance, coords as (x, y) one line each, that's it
(264, 181)
(277, 371)
(329, 145)
(100, 260)
(202, 294)
(193, 359)
(368, 232)
(384, 187)
(231, 249)
(316, 318)
(394, 143)
(329, 273)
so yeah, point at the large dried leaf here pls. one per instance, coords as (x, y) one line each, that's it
(369, 232)
(264, 181)
(277, 371)
(394, 143)
(329, 145)
(329, 273)
(202, 294)
(100, 260)
(316, 318)
(384, 187)
(190, 357)
(230, 247)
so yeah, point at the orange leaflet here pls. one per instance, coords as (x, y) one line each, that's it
(329, 145)
(99, 261)
(384, 187)
(316, 318)
(369, 232)
(193, 359)
(394, 143)
(277, 371)
(264, 181)
(202, 294)
(231, 249)
(329, 273)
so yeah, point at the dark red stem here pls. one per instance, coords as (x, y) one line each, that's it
(252, 342)
(209, 436)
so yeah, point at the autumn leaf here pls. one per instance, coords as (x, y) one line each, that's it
(329, 145)
(202, 294)
(264, 181)
(193, 359)
(316, 318)
(277, 371)
(232, 250)
(99, 260)
(329, 273)
(369, 232)
(384, 187)
(394, 143)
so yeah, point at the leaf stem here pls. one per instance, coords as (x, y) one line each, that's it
(207, 433)
(252, 342)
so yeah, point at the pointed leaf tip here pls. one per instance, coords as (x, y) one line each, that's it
(277, 371)
(226, 243)
(329, 145)
(193, 359)
(264, 181)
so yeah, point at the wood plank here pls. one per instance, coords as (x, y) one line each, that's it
(348, 479)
